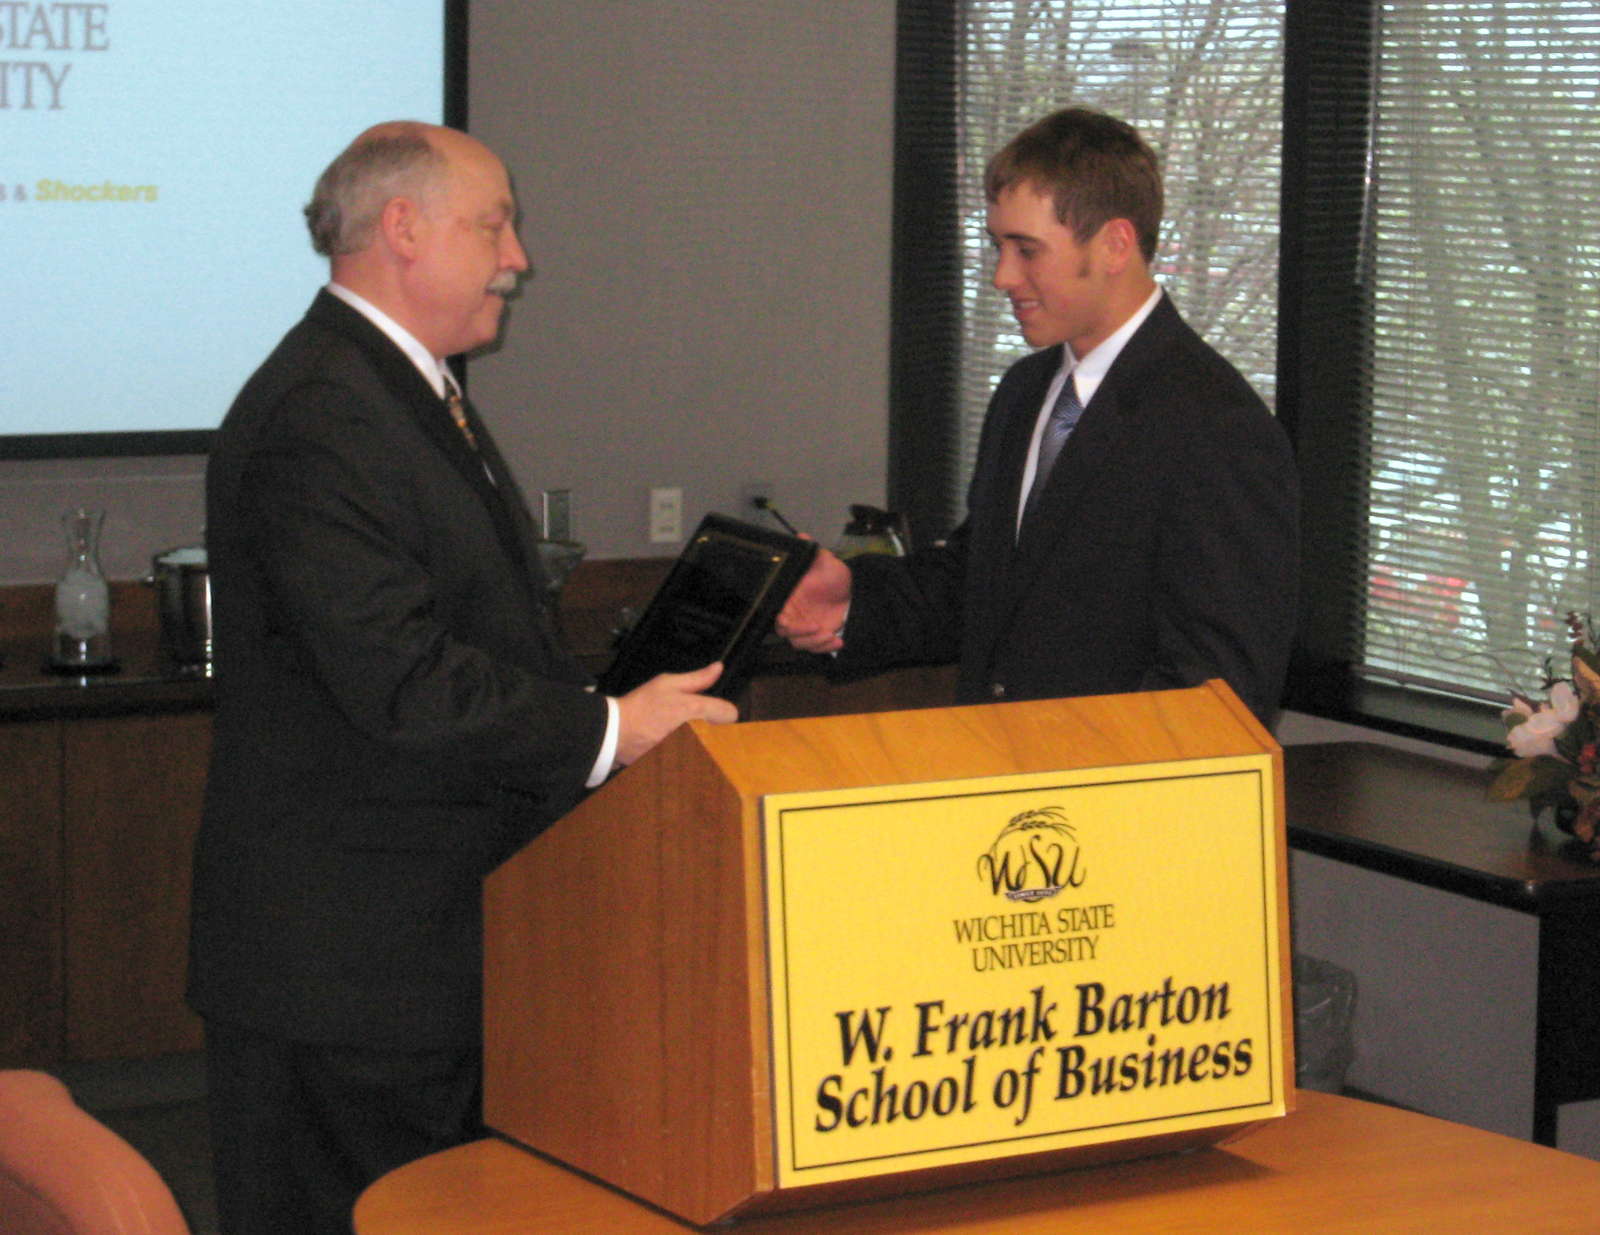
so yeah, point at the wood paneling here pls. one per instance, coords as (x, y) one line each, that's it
(30, 894)
(131, 809)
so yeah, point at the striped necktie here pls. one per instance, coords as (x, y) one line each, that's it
(458, 413)
(457, 407)
(1063, 417)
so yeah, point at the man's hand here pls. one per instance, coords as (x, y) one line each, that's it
(816, 609)
(650, 712)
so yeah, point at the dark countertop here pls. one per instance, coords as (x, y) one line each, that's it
(596, 601)
(593, 604)
(111, 695)
(1428, 821)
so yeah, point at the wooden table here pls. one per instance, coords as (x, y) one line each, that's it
(1335, 1165)
(1427, 821)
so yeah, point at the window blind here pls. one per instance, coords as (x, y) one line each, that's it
(1484, 439)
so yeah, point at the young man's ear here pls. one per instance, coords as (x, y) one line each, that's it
(1119, 244)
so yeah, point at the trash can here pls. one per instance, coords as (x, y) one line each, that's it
(1324, 1013)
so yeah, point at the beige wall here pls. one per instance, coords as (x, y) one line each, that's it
(150, 504)
(706, 193)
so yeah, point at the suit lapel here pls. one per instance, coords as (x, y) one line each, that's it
(997, 486)
(1107, 431)
(411, 390)
(992, 504)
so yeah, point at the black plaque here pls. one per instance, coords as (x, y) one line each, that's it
(718, 603)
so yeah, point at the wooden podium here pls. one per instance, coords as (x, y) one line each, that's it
(642, 1025)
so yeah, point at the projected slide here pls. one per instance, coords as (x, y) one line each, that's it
(154, 159)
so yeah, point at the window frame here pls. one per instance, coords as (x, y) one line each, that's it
(925, 272)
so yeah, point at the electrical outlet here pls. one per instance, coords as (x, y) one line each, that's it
(666, 516)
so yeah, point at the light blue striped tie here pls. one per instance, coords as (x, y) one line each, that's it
(1063, 417)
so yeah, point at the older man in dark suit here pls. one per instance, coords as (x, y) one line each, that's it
(394, 714)
(1132, 520)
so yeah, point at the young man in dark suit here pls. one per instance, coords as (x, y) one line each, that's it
(394, 713)
(1132, 522)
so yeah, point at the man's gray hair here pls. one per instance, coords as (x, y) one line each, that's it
(394, 160)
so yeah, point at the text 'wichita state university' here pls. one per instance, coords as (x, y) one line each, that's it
(1029, 937)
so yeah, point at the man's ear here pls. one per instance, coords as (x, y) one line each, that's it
(1119, 245)
(398, 226)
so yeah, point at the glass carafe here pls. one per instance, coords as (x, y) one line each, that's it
(83, 602)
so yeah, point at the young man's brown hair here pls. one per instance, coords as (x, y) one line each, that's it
(1096, 167)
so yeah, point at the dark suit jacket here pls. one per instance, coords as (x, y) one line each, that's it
(1163, 551)
(394, 715)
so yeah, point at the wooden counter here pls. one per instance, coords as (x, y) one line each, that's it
(1430, 822)
(1335, 1166)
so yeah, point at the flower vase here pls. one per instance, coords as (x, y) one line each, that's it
(1567, 817)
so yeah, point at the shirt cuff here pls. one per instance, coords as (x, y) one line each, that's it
(608, 748)
(839, 634)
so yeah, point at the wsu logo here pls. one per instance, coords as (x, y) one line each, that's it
(1035, 856)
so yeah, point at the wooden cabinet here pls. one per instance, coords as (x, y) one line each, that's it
(100, 786)
(97, 825)
(131, 792)
(30, 893)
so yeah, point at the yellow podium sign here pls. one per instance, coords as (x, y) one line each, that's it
(976, 969)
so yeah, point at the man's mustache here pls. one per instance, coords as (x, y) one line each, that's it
(503, 284)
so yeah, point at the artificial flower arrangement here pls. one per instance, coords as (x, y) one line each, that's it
(1554, 762)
